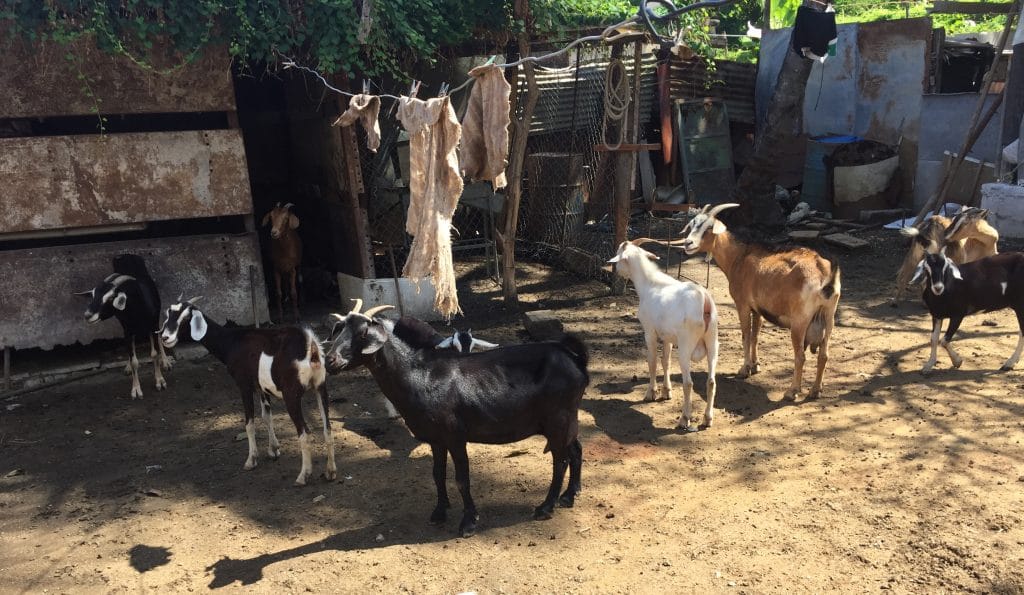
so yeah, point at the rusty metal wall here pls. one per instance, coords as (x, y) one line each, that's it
(82, 181)
(39, 80)
(731, 81)
(40, 310)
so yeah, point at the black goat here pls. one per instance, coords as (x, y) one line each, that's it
(131, 296)
(286, 362)
(493, 397)
(955, 291)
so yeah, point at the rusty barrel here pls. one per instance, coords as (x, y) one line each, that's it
(556, 197)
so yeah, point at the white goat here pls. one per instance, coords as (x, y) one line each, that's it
(676, 313)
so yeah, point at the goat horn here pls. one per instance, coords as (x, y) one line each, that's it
(195, 299)
(369, 313)
(339, 317)
(288, 205)
(277, 205)
(358, 306)
(181, 296)
(641, 241)
(719, 208)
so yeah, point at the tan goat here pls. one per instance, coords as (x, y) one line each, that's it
(966, 238)
(792, 287)
(285, 253)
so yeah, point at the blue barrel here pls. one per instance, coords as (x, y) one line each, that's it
(816, 191)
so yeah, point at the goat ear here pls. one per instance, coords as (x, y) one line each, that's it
(651, 255)
(447, 343)
(614, 259)
(266, 220)
(718, 227)
(918, 273)
(293, 221)
(88, 293)
(483, 344)
(955, 270)
(376, 337)
(120, 300)
(198, 325)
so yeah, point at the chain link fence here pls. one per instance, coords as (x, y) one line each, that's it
(565, 217)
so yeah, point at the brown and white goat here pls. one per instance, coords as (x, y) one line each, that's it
(965, 238)
(677, 313)
(286, 362)
(285, 253)
(792, 287)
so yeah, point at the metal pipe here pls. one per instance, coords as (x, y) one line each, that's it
(67, 232)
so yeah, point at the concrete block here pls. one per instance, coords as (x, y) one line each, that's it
(803, 235)
(1006, 201)
(543, 325)
(415, 302)
(847, 241)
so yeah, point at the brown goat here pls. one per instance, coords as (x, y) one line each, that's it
(794, 288)
(285, 253)
(966, 238)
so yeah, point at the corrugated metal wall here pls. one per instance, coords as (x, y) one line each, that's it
(732, 81)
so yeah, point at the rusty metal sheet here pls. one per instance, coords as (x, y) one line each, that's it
(40, 310)
(39, 81)
(80, 181)
(731, 81)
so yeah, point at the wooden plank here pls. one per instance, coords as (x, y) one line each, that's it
(953, 7)
(40, 81)
(41, 310)
(91, 180)
(628, 147)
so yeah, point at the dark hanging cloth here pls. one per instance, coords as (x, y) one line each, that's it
(813, 31)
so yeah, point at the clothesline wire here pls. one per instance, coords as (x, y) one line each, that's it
(608, 35)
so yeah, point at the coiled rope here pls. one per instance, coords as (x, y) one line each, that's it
(616, 102)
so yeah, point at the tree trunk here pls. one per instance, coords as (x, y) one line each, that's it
(755, 190)
(517, 158)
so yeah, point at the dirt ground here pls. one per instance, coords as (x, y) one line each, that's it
(891, 481)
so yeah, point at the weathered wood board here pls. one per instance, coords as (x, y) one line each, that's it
(40, 309)
(81, 181)
(42, 80)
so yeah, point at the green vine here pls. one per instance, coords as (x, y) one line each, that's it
(323, 34)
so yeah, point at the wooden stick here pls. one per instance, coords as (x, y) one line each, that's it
(973, 130)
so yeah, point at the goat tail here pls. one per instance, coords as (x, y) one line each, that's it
(577, 349)
(833, 285)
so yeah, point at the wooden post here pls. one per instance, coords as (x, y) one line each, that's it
(516, 161)
(351, 173)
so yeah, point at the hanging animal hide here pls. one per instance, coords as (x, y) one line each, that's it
(485, 127)
(435, 186)
(364, 108)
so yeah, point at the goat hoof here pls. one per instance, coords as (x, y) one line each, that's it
(1005, 368)
(567, 500)
(790, 395)
(330, 474)
(467, 528)
(301, 479)
(439, 516)
(249, 465)
(136, 393)
(814, 394)
(543, 512)
(161, 384)
(707, 424)
(686, 427)
(957, 364)
(649, 395)
(274, 452)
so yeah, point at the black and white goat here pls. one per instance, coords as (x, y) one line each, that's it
(494, 397)
(131, 296)
(286, 362)
(956, 291)
(465, 342)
